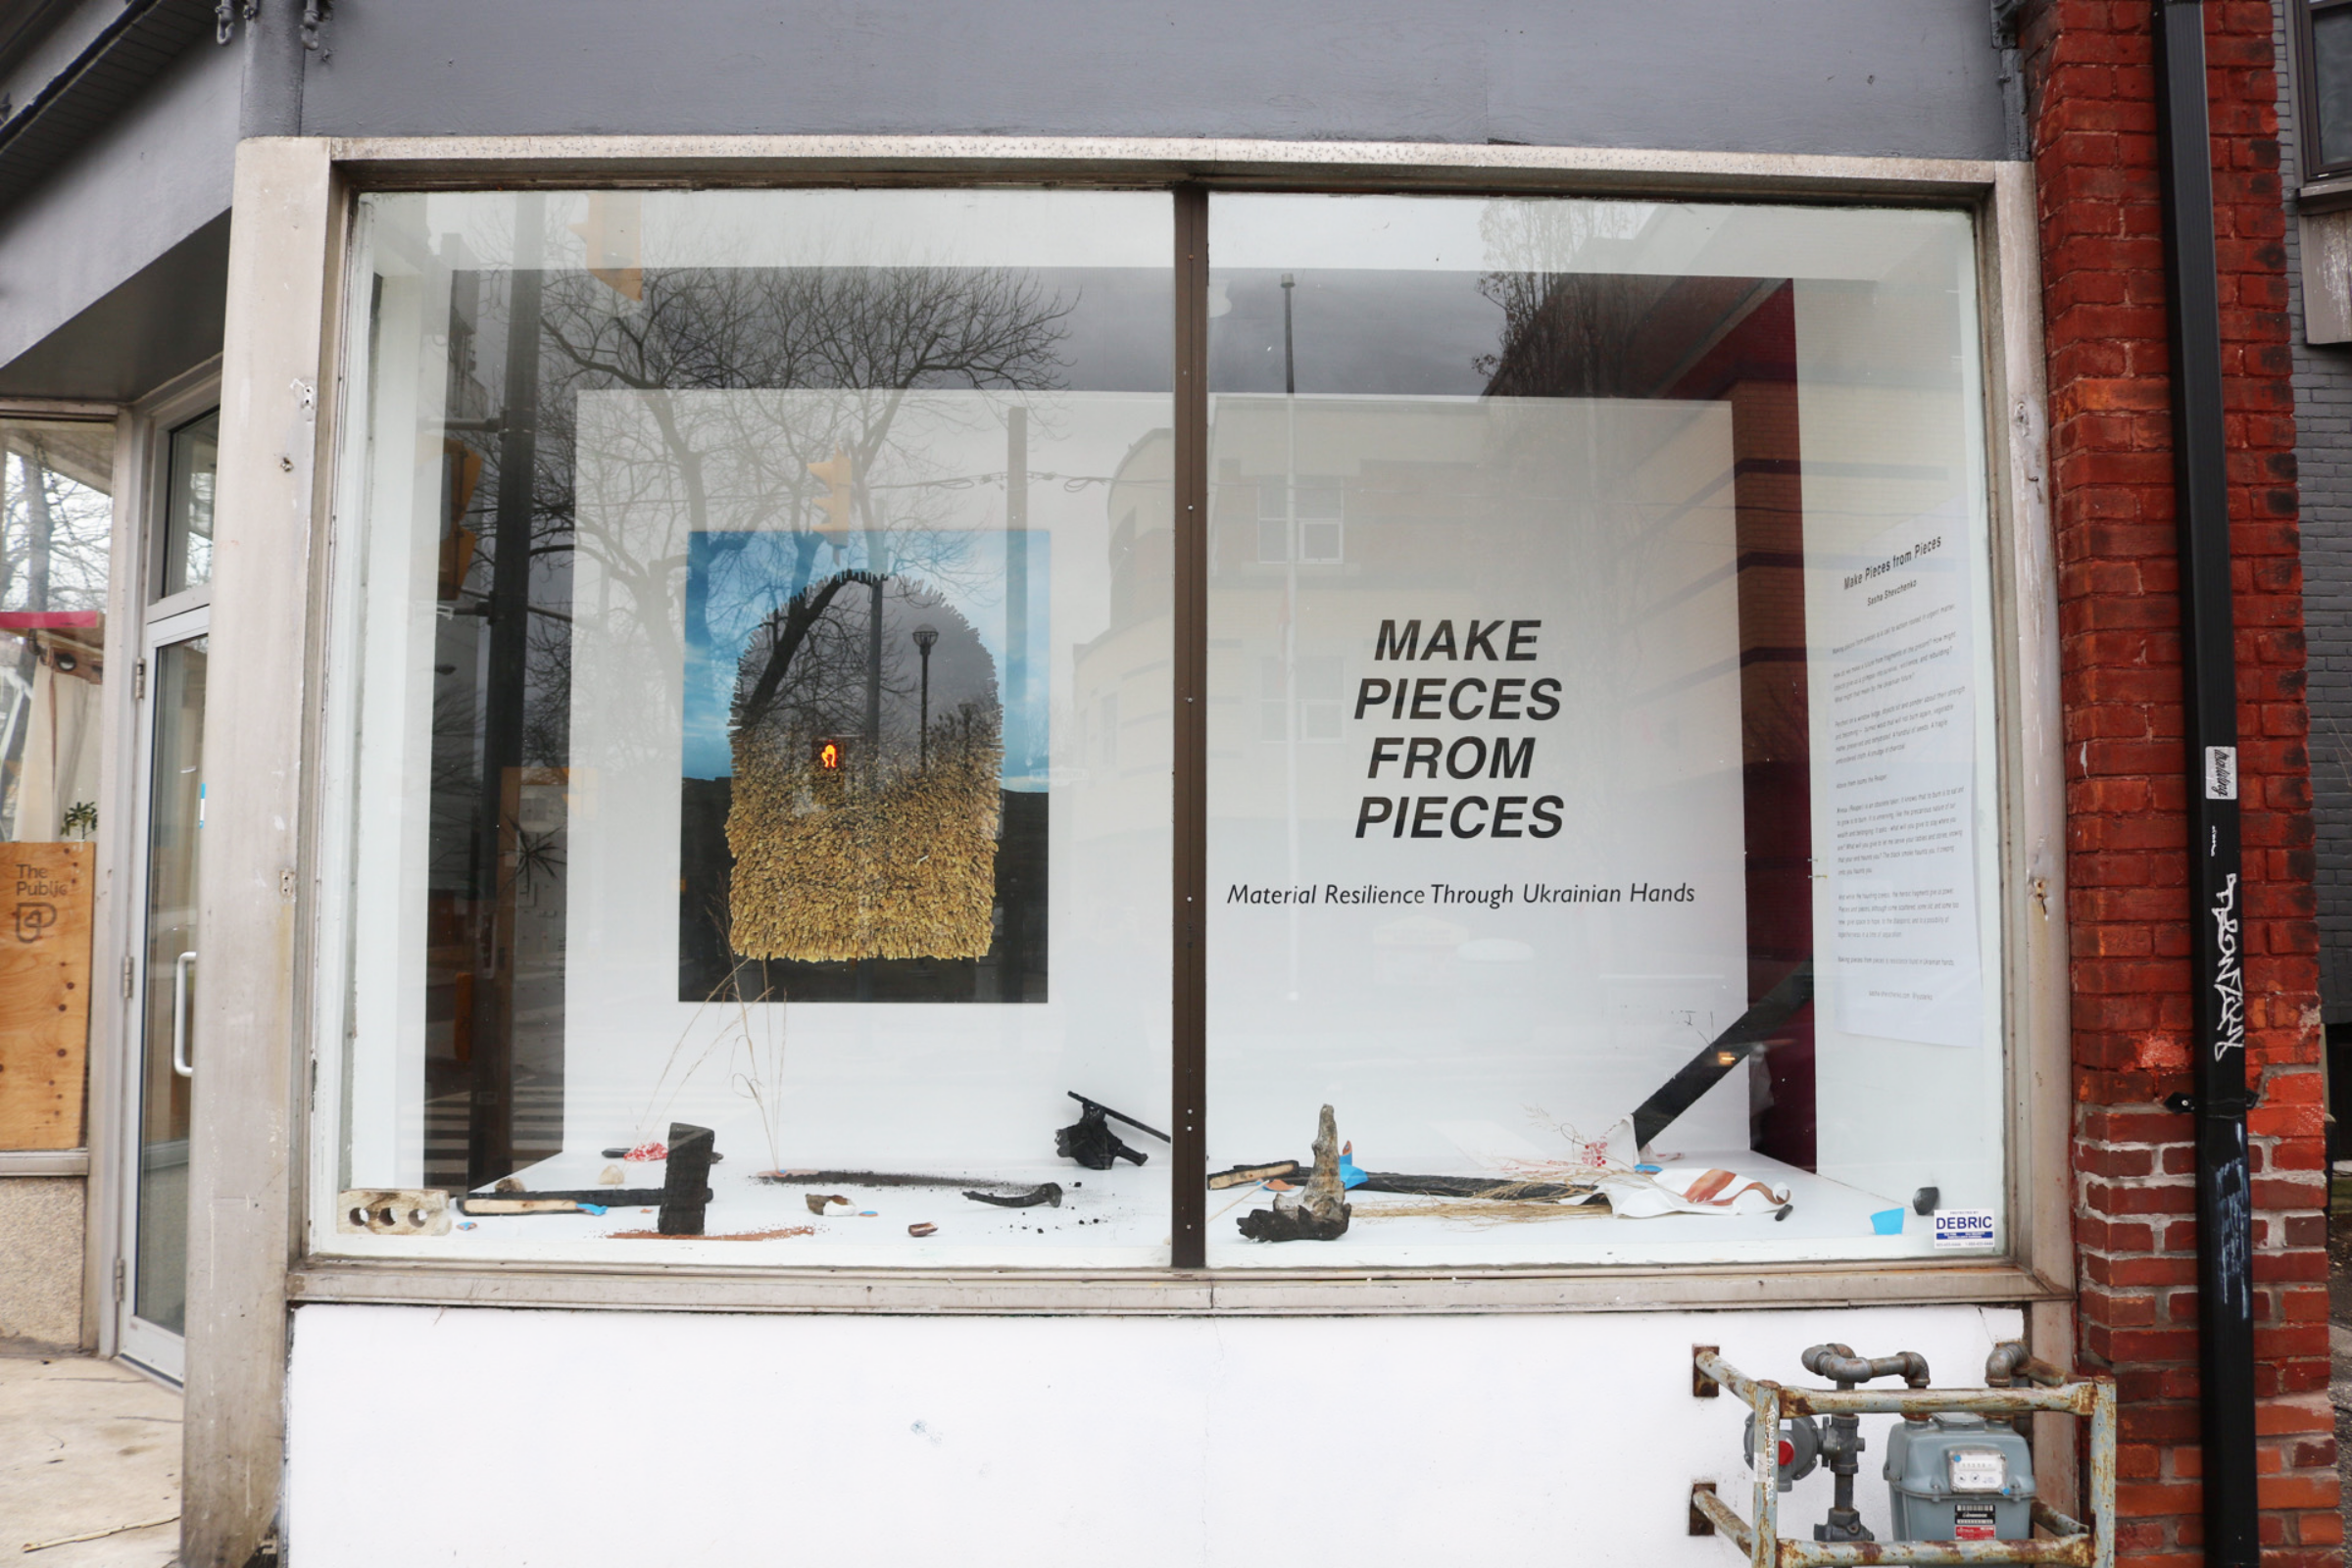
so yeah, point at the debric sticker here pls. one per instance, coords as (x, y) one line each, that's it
(1963, 1228)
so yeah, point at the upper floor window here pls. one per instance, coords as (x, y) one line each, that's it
(2323, 40)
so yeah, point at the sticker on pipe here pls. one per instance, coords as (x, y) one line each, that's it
(1963, 1228)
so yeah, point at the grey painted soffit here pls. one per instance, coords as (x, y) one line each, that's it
(165, 319)
(24, 23)
(103, 80)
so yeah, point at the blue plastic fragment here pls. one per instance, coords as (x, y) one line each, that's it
(592, 1209)
(1888, 1222)
(1350, 1176)
(866, 1213)
(1649, 1171)
(465, 1224)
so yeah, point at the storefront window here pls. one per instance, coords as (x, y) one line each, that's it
(761, 673)
(1632, 897)
(56, 530)
(756, 620)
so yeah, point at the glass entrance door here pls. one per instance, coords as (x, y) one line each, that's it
(152, 1300)
(155, 1303)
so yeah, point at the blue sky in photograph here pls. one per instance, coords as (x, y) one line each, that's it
(718, 630)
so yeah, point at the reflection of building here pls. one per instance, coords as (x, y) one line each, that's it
(1119, 681)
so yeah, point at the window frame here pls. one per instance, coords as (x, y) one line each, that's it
(310, 185)
(2310, 169)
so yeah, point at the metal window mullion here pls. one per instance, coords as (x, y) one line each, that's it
(1188, 1161)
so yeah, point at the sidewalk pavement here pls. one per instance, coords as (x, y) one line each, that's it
(88, 1449)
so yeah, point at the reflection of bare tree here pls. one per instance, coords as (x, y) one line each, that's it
(56, 521)
(822, 359)
(56, 527)
(807, 663)
(870, 335)
(1574, 330)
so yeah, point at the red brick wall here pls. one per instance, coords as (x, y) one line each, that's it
(2091, 87)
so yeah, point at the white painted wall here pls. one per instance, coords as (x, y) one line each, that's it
(510, 1439)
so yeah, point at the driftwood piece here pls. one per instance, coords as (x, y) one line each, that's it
(1319, 1212)
(1047, 1192)
(1243, 1175)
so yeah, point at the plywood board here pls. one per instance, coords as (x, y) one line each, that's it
(44, 993)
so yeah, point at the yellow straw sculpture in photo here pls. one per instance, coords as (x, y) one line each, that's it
(880, 859)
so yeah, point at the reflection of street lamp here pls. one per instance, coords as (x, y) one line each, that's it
(924, 636)
(1290, 614)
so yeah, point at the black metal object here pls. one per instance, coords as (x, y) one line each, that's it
(1119, 1115)
(1722, 1054)
(1502, 1189)
(2201, 504)
(685, 1181)
(1090, 1143)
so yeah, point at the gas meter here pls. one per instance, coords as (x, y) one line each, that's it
(1953, 1476)
(1957, 1479)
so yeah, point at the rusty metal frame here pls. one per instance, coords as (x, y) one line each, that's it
(2070, 1542)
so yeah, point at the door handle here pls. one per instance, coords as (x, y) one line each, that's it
(180, 1015)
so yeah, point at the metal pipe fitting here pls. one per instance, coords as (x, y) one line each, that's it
(1839, 1364)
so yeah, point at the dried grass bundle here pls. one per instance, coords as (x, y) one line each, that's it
(880, 862)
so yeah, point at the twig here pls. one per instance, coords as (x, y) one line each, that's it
(99, 1535)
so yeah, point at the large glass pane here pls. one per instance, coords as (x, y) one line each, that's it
(194, 462)
(759, 644)
(1601, 795)
(55, 529)
(174, 836)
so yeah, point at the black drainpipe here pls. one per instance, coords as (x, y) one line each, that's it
(2201, 501)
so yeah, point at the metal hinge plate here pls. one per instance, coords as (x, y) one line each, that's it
(127, 973)
(139, 681)
(119, 1277)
